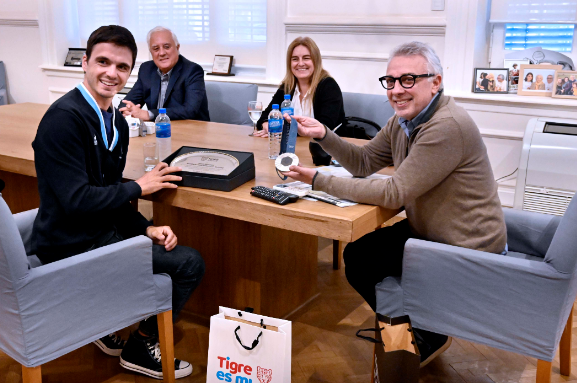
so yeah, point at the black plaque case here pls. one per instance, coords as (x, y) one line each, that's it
(242, 174)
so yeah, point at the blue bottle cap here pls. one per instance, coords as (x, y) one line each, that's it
(275, 106)
(162, 110)
(287, 96)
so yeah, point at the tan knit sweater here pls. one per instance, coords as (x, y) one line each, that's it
(443, 178)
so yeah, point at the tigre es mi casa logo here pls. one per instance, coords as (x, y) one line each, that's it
(236, 369)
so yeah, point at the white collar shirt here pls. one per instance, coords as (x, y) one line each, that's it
(304, 108)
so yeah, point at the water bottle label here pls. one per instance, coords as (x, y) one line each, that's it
(163, 130)
(289, 111)
(275, 125)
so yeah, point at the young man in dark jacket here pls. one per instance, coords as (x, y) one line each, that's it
(80, 152)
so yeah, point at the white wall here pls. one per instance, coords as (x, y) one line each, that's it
(355, 40)
(21, 51)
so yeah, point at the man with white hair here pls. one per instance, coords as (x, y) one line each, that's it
(501, 84)
(442, 178)
(169, 81)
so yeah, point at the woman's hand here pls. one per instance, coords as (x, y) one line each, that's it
(262, 133)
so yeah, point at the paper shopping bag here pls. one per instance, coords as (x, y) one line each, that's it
(396, 357)
(248, 348)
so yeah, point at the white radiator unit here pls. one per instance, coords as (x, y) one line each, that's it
(547, 178)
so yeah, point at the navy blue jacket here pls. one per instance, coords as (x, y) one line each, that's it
(185, 97)
(82, 196)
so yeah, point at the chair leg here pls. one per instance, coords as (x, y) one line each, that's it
(166, 345)
(543, 371)
(31, 374)
(565, 346)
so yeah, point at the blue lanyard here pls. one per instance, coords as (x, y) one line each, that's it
(92, 102)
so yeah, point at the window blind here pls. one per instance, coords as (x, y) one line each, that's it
(555, 37)
(534, 11)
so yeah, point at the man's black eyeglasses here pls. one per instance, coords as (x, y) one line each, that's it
(407, 81)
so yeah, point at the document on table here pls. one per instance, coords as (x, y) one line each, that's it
(305, 190)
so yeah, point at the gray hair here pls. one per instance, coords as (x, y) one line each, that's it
(160, 29)
(418, 48)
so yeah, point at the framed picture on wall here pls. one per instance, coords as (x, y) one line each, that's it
(565, 84)
(537, 80)
(514, 66)
(491, 80)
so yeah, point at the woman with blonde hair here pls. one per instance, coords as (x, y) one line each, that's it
(313, 92)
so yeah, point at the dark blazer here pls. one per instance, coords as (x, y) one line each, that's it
(327, 104)
(185, 96)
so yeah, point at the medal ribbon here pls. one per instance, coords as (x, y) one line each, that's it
(292, 138)
(92, 102)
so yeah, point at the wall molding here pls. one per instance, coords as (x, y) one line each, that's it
(26, 23)
(413, 26)
(355, 56)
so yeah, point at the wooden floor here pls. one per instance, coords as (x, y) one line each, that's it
(324, 348)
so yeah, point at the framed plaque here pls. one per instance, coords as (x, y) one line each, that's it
(222, 65)
(212, 169)
(74, 57)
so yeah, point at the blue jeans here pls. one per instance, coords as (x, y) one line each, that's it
(183, 264)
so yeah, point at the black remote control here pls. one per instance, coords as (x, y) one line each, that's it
(273, 195)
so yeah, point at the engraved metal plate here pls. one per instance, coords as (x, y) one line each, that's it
(207, 162)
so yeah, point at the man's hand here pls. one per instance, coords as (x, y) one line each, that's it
(309, 127)
(302, 174)
(262, 133)
(162, 235)
(134, 110)
(157, 178)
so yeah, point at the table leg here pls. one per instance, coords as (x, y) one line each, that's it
(272, 270)
(21, 192)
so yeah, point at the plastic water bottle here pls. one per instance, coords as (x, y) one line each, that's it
(163, 134)
(286, 106)
(275, 122)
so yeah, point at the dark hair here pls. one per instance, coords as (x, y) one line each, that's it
(114, 34)
(527, 75)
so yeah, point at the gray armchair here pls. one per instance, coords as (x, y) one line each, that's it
(228, 102)
(520, 302)
(374, 107)
(49, 310)
(3, 93)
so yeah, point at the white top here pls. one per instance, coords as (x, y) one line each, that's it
(306, 107)
(500, 86)
(549, 86)
(527, 85)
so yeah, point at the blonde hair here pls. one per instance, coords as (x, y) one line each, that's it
(289, 82)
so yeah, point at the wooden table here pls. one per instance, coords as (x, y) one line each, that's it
(257, 253)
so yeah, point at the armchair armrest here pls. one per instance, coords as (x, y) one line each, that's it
(99, 291)
(528, 232)
(505, 302)
(25, 222)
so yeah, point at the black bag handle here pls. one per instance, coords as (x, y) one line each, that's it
(372, 340)
(349, 120)
(254, 342)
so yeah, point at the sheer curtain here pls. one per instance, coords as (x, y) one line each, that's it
(203, 27)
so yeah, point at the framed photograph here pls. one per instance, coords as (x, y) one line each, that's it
(565, 84)
(491, 80)
(537, 80)
(514, 65)
(222, 65)
(74, 57)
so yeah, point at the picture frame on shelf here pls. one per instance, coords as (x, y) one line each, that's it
(514, 66)
(491, 80)
(565, 84)
(74, 57)
(537, 80)
(222, 65)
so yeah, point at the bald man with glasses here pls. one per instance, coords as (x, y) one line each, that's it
(443, 178)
